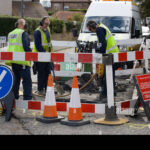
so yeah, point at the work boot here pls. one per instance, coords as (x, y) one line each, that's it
(41, 93)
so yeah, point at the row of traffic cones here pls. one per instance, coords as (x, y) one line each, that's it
(50, 115)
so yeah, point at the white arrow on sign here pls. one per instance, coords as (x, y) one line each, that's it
(2, 75)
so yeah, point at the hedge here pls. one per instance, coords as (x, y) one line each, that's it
(7, 25)
(79, 10)
(57, 26)
(70, 26)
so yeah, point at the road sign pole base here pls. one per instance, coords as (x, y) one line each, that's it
(8, 101)
(49, 120)
(74, 123)
(102, 121)
(111, 118)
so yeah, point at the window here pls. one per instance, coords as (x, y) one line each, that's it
(115, 24)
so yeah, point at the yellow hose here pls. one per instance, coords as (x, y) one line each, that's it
(86, 84)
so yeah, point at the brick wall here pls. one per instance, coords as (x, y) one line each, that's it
(6, 7)
(57, 5)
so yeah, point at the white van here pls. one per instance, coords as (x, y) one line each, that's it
(145, 31)
(121, 17)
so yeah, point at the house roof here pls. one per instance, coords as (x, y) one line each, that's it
(35, 10)
(65, 15)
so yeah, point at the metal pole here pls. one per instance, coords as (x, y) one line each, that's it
(108, 61)
(110, 86)
(22, 8)
(63, 5)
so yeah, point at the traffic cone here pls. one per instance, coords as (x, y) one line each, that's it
(75, 113)
(50, 110)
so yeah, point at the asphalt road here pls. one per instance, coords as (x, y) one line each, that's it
(24, 123)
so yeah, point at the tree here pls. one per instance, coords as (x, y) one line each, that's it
(144, 8)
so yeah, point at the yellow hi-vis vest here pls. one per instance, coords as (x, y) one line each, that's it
(44, 41)
(111, 43)
(15, 45)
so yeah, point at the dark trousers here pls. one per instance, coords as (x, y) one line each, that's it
(23, 72)
(43, 70)
(104, 88)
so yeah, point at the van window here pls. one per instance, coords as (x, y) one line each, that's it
(115, 24)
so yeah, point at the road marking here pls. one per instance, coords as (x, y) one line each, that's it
(138, 126)
(2, 75)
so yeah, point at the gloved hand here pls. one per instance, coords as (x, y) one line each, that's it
(100, 70)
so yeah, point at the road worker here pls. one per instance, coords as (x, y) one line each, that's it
(42, 43)
(19, 41)
(106, 44)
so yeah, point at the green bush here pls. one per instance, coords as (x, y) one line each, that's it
(70, 25)
(50, 13)
(78, 17)
(32, 24)
(56, 26)
(7, 24)
(80, 10)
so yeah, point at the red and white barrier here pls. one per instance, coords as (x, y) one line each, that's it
(124, 107)
(73, 57)
(131, 56)
(53, 57)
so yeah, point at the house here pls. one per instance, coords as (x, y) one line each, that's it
(60, 5)
(32, 8)
(66, 15)
(6, 7)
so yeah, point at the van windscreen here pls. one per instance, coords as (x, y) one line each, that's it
(115, 24)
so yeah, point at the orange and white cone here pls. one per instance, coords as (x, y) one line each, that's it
(75, 113)
(50, 109)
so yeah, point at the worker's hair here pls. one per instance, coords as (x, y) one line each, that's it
(22, 21)
(43, 19)
(92, 24)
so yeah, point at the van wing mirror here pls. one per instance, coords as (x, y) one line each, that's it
(137, 33)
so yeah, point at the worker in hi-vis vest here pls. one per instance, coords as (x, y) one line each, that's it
(19, 41)
(42, 43)
(107, 44)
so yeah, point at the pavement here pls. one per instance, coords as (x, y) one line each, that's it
(23, 122)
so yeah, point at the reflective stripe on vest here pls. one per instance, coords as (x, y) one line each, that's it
(111, 43)
(14, 36)
(44, 43)
(108, 37)
(15, 45)
(108, 51)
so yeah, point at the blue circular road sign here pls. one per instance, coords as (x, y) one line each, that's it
(6, 81)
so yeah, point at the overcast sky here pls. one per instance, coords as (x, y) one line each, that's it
(43, 0)
(45, 4)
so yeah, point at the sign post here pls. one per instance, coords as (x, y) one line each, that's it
(6, 87)
(143, 86)
(3, 41)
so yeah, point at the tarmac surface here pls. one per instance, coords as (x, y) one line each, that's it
(23, 122)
